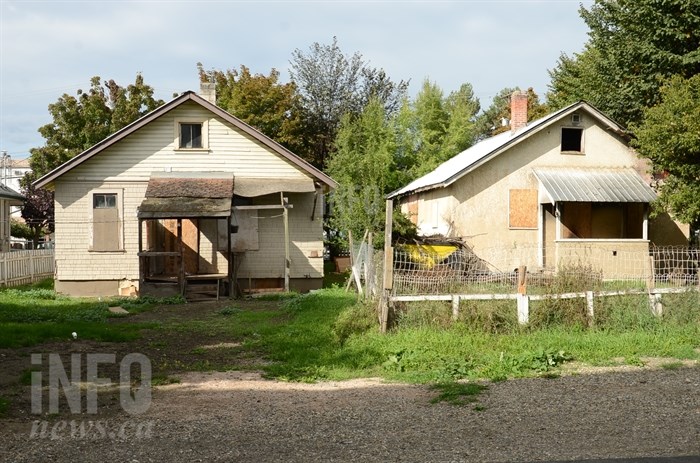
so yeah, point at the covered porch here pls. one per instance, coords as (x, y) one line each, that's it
(184, 243)
(597, 217)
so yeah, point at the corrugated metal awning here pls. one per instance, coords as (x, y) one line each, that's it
(605, 185)
(257, 186)
(184, 207)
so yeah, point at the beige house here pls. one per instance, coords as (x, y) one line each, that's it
(561, 187)
(9, 199)
(187, 200)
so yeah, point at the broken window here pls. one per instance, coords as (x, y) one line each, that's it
(572, 140)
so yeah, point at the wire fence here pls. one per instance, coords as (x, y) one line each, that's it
(425, 269)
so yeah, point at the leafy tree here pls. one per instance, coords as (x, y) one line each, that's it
(491, 121)
(364, 169)
(669, 135)
(331, 85)
(434, 128)
(20, 230)
(260, 101)
(79, 122)
(462, 107)
(38, 211)
(577, 78)
(82, 121)
(634, 46)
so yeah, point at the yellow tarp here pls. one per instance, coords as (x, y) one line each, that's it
(430, 254)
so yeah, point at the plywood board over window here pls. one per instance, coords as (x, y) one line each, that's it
(523, 209)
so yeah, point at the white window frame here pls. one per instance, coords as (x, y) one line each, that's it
(120, 212)
(205, 134)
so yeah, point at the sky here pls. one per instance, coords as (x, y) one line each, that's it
(48, 48)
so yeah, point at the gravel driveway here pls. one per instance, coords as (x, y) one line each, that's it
(238, 416)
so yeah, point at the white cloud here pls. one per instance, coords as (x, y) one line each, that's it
(48, 48)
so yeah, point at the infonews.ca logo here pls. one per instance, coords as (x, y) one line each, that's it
(134, 396)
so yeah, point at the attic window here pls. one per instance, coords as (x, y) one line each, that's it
(190, 135)
(571, 140)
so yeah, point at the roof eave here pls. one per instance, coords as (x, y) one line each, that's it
(46, 181)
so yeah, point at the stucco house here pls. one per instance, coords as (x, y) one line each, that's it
(187, 200)
(9, 199)
(564, 183)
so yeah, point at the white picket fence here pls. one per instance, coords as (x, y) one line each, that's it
(24, 267)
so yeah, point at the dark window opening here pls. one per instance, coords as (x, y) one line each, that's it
(572, 140)
(190, 135)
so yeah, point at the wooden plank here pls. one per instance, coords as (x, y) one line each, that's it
(263, 206)
(523, 208)
(287, 262)
(388, 279)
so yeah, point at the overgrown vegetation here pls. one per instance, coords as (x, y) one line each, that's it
(328, 335)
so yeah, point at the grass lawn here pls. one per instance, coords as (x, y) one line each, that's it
(30, 315)
(328, 335)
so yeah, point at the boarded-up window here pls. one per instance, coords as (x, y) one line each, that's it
(523, 209)
(244, 236)
(106, 224)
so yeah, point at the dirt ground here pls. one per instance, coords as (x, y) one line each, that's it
(632, 412)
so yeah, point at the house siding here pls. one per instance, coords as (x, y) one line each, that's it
(153, 149)
(304, 235)
(127, 166)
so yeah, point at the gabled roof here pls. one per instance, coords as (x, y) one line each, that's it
(158, 112)
(8, 193)
(458, 166)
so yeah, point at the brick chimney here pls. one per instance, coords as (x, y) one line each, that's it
(518, 110)
(207, 90)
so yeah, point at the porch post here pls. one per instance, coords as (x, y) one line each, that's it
(645, 223)
(141, 258)
(287, 263)
(557, 217)
(229, 258)
(540, 235)
(181, 273)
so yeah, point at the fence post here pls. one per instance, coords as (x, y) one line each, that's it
(651, 281)
(455, 307)
(523, 308)
(369, 278)
(31, 267)
(523, 302)
(388, 279)
(589, 306)
(4, 267)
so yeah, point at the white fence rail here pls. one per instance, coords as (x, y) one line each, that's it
(23, 267)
